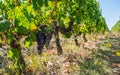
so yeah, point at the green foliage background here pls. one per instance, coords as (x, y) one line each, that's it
(116, 27)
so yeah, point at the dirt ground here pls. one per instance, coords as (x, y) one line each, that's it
(97, 56)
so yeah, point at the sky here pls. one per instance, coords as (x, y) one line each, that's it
(110, 11)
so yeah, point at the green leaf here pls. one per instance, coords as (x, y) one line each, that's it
(10, 54)
(27, 43)
(76, 29)
(25, 12)
(10, 38)
(13, 54)
(67, 34)
(40, 2)
(22, 30)
(30, 40)
(46, 2)
(34, 3)
(4, 26)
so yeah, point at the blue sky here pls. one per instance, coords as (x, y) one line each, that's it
(110, 10)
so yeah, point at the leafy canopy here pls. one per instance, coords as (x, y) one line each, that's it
(17, 16)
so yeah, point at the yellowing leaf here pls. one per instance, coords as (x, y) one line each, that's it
(33, 27)
(0, 40)
(118, 53)
(99, 63)
(108, 45)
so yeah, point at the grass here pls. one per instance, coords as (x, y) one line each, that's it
(74, 61)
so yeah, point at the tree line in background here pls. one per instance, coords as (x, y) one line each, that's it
(116, 27)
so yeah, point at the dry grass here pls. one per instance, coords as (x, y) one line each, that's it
(88, 59)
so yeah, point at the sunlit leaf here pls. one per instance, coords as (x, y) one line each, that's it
(27, 44)
(118, 53)
(108, 45)
(13, 54)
